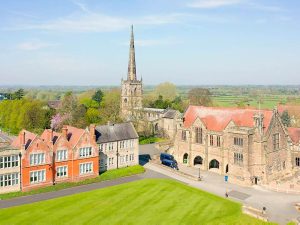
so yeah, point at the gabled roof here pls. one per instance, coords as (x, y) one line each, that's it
(170, 114)
(115, 132)
(294, 133)
(217, 118)
(29, 137)
(74, 134)
(47, 134)
(54, 104)
(290, 108)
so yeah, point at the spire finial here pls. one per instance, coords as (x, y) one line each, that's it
(131, 64)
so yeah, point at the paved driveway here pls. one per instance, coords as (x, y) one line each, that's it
(280, 206)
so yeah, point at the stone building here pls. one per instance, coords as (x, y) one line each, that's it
(118, 145)
(250, 146)
(132, 88)
(9, 167)
(132, 107)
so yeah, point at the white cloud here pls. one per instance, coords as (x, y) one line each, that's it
(34, 45)
(206, 4)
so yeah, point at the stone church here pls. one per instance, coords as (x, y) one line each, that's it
(159, 121)
(251, 146)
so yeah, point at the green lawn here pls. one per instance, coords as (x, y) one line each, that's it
(108, 175)
(149, 201)
(150, 140)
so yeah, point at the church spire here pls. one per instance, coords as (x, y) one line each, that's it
(131, 64)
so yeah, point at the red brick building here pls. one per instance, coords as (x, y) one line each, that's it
(57, 157)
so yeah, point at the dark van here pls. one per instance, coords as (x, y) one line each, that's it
(168, 160)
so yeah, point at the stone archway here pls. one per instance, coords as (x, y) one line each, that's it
(185, 158)
(214, 164)
(198, 160)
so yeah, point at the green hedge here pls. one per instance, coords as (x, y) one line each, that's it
(108, 175)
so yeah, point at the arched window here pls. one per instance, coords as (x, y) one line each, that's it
(198, 160)
(185, 158)
(214, 164)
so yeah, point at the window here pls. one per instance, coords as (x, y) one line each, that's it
(238, 158)
(37, 158)
(211, 140)
(131, 143)
(218, 141)
(111, 146)
(297, 161)
(9, 179)
(85, 168)
(238, 141)
(62, 155)
(85, 152)
(122, 144)
(183, 135)
(198, 132)
(111, 161)
(9, 161)
(126, 158)
(275, 141)
(37, 176)
(62, 171)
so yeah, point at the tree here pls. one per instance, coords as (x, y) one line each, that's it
(19, 94)
(167, 90)
(200, 96)
(110, 106)
(98, 96)
(286, 119)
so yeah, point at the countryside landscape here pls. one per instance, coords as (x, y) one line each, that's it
(149, 112)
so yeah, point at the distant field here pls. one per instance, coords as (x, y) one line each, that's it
(150, 201)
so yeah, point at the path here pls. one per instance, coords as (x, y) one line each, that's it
(280, 206)
(79, 189)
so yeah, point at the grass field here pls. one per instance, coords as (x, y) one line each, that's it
(149, 201)
(108, 175)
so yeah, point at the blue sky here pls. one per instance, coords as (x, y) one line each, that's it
(199, 42)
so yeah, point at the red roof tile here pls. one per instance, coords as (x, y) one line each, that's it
(217, 118)
(294, 134)
(74, 134)
(29, 137)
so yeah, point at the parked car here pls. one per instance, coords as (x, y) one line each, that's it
(168, 160)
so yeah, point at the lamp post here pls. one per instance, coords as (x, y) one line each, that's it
(199, 177)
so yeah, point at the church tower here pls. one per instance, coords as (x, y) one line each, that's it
(132, 88)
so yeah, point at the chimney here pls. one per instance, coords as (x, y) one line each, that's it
(65, 131)
(50, 136)
(93, 132)
(22, 137)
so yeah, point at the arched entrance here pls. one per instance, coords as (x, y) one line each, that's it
(227, 169)
(198, 160)
(214, 164)
(156, 127)
(185, 158)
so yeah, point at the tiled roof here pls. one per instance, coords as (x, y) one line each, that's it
(115, 132)
(294, 133)
(46, 135)
(29, 137)
(54, 104)
(289, 108)
(170, 114)
(74, 134)
(217, 118)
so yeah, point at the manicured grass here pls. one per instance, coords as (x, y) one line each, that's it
(150, 140)
(148, 201)
(108, 175)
